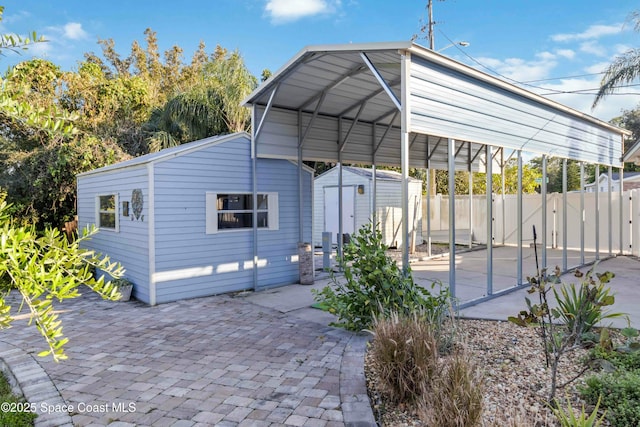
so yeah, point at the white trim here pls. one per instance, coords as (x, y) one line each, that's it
(116, 228)
(211, 212)
(152, 235)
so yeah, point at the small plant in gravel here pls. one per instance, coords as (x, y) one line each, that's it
(579, 309)
(405, 352)
(567, 416)
(376, 286)
(456, 394)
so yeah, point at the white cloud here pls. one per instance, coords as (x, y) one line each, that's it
(593, 48)
(593, 32)
(282, 11)
(566, 53)
(74, 31)
(521, 70)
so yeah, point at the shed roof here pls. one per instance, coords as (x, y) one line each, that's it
(168, 153)
(350, 101)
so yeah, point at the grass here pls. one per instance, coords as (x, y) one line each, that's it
(13, 417)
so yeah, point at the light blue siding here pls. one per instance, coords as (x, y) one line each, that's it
(130, 244)
(191, 263)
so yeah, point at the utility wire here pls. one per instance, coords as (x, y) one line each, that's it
(549, 91)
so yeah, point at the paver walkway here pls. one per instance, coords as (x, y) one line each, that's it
(209, 361)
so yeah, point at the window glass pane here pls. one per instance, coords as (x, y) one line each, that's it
(263, 220)
(263, 201)
(108, 203)
(234, 202)
(234, 220)
(107, 220)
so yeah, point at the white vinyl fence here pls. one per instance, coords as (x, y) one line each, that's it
(505, 220)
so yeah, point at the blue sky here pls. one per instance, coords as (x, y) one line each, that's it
(548, 42)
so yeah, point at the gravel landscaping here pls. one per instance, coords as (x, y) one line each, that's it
(515, 374)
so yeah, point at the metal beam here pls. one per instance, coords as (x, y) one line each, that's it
(313, 119)
(543, 194)
(386, 132)
(256, 133)
(610, 222)
(597, 189)
(489, 222)
(368, 98)
(381, 80)
(353, 125)
(564, 215)
(334, 84)
(582, 213)
(519, 221)
(451, 145)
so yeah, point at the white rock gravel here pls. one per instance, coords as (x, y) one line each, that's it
(517, 381)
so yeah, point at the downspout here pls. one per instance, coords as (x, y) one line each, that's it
(152, 235)
(254, 213)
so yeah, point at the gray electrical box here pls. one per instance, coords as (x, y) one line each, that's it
(326, 250)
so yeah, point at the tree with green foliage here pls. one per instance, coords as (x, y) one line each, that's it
(210, 107)
(624, 69)
(529, 176)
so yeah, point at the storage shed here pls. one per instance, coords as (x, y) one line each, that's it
(358, 201)
(183, 223)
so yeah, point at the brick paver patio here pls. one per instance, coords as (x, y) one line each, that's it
(209, 361)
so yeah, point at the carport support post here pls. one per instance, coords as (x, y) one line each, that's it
(543, 193)
(405, 126)
(428, 212)
(564, 214)
(581, 213)
(610, 222)
(489, 220)
(470, 198)
(519, 221)
(597, 187)
(451, 144)
(339, 237)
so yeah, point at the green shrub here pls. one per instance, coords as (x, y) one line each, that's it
(405, 353)
(456, 394)
(620, 394)
(376, 286)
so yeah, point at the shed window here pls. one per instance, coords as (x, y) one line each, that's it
(234, 211)
(107, 215)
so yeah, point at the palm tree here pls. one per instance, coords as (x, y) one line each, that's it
(209, 107)
(624, 69)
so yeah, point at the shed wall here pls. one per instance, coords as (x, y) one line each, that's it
(130, 244)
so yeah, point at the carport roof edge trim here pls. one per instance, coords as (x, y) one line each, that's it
(428, 54)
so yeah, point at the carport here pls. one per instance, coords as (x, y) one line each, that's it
(400, 104)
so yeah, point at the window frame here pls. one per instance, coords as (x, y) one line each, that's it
(114, 212)
(211, 212)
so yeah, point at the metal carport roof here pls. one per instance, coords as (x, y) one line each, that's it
(401, 104)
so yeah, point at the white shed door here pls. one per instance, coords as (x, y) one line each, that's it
(331, 210)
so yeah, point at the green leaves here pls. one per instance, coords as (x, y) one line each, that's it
(44, 268)
(376, 286)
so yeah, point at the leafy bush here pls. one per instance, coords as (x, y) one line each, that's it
(620, 394)
(567, 416)
(456, 398)
(405, 353)
(375, 286)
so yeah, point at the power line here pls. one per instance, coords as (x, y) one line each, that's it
(549, 91)
(565, 77)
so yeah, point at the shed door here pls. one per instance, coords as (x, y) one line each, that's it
(331, 210)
